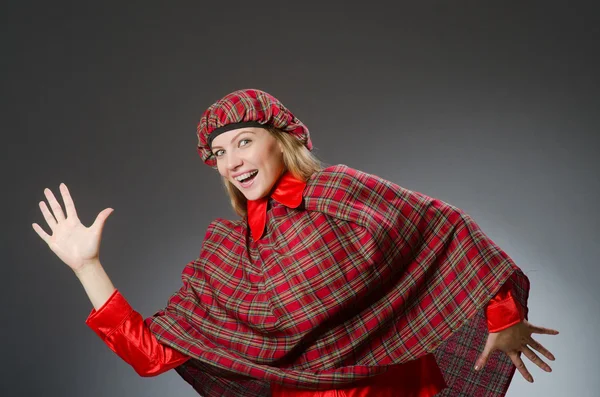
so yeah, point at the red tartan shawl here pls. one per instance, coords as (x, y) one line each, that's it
(363, 274)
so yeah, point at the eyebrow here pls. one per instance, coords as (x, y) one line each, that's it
(234, 138)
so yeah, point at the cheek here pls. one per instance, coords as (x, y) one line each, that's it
(277, 162)
(274, 159)
(221, 169)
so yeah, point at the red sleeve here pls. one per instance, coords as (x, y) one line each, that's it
(503, 310)
(124, 331)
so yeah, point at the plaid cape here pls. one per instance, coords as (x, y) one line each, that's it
(363, 275)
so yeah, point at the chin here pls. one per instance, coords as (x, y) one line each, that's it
(253, 196)
(255, 192)
(250, 195)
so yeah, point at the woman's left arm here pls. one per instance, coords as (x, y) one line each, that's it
(511, 333)
(503, 310)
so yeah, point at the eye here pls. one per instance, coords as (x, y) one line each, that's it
(245, 140)
(219, 153)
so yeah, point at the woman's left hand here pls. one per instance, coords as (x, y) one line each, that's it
(514, 340)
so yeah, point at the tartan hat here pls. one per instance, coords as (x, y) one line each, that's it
(246, 108)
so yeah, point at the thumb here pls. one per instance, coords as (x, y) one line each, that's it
(484, 356)
(101, 218)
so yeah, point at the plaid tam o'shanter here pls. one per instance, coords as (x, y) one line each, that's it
(363, 274)
(246, 108)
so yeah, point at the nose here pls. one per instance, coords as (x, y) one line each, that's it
(233, 161)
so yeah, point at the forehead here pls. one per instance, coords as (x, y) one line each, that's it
(226, 137)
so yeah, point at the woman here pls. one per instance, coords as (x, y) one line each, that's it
(333, 282)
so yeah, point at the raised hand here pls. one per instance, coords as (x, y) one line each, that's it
(75, 244)
(515, 340)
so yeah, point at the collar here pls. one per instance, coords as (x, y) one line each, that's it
(288, 192)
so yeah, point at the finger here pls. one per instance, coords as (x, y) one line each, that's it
(48, 216)
(101, 219)
(541, 330)
(538, 346)
(41, 232)
(514, 357)
(485, 354)
(56, 209)
(69, 205)
(535, 359)
(482, 360)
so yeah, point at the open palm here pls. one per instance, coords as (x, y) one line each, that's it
(74, 243)
(515, 340)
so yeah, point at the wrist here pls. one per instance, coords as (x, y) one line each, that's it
(88, 267)
(96, 282)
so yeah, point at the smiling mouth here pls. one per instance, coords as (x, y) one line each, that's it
(247, 181)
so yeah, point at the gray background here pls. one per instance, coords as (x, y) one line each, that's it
(491, 107)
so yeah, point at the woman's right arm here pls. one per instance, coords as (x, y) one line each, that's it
(76, 245)
(125, 333)
(95, 282)
(119, 326)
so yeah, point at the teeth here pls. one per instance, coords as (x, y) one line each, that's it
(246, 175)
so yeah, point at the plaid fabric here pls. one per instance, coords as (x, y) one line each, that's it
(246, 106)
(365, 274)
(456, 355)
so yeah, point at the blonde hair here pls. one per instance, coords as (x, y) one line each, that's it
(297, 159)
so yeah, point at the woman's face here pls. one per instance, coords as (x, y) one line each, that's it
(250, 158)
